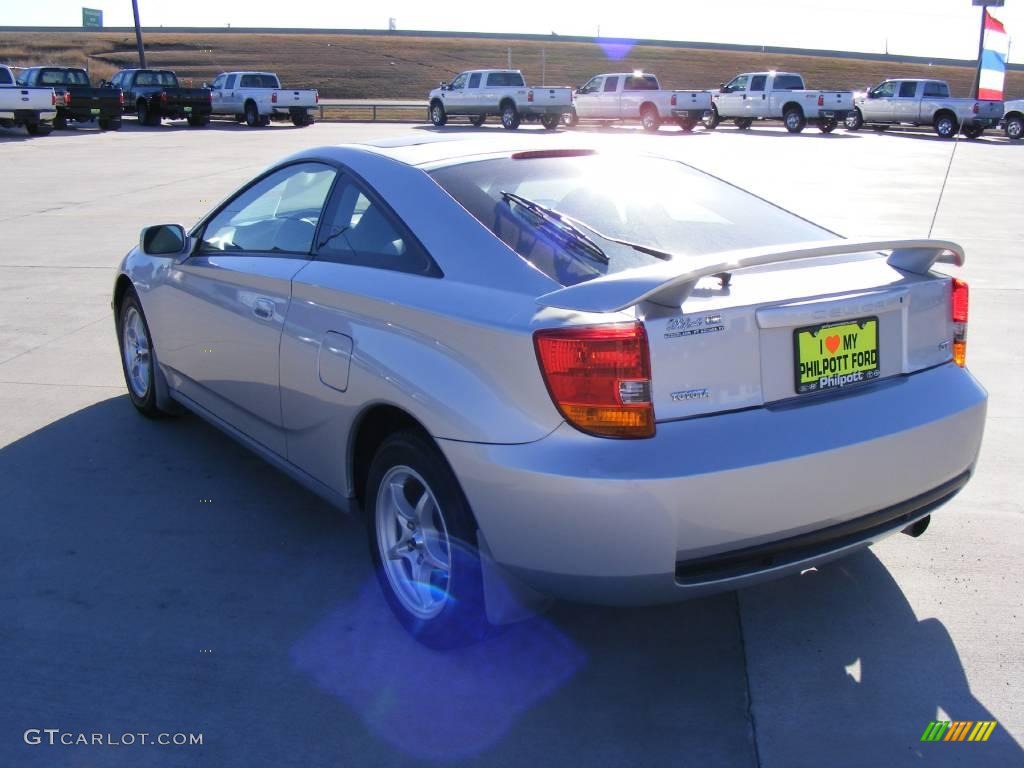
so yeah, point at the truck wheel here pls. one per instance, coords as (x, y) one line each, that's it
(198, 121)
(946, 126)
(422, 538)
(686, 124)
(239, 118)
(973, 131)
(827, 124)
(60, 122)
(570, 119)
(110, 123)
(38, 129)
(743, 123)
(550, 122)
(713, 119)
(854, 121)
(1015, 128)
(794, 120)
(649, 119)
(301, 121)
(437, 114)
(477, 121)
(252, 114)
(510, 118)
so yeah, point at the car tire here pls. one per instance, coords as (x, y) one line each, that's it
(649, 119)
(138, 359)
(146, 115)
(38, 129)
(972, 131)
(686, 124)
(713, 120)
(239, 118)
(510, 118)
(422, 538)
(198, 121)
(854, 120)
(437, 114)
(827, 124)
(60, 122)
(477, 121)
(946, 126)
(743, 123)
(1015, 128)
(550, 122)
(794, 120)
(570, 119)
(252, 115)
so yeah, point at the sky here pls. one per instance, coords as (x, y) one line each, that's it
(940, 28)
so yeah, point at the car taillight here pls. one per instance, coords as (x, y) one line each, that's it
(163, 97)
(599, 377)
(674, 101)
(53, 98)
(209, 97)
(273, 98)
(821, 100)
(317, 94)
(120, 95)
(67, 98)
(529, 95)
(976, 107)
(959, 308)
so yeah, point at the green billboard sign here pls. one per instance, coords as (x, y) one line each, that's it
(92, 18)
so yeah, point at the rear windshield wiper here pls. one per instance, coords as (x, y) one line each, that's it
(560, 223)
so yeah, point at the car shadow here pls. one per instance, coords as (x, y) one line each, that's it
(927, 134)
(162, 578)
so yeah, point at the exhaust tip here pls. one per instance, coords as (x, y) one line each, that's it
(918, 528)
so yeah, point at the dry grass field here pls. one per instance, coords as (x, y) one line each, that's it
(403, 67)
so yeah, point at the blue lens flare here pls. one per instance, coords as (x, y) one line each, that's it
(616, 48)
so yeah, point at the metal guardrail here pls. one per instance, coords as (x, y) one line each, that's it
(357, 110)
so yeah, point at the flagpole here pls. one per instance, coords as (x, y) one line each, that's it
(981, 50)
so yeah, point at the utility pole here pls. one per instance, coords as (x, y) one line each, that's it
(138, 35)
(509, 58)
(543, 66)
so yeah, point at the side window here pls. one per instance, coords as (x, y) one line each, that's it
(229, 84)
(218, 82)
(116, 81)
(938, 90)
(885, 90)
(593, 86)
(279, 213)
(474, 80)
(738, 83)
(610, 84)
(757, 82)
(358, 229)
(908, 89)
(24, 78)
(459, 82)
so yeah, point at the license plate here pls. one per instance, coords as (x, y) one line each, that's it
(188, 109)
(94, 111)
(836, 355)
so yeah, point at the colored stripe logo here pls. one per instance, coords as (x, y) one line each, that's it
(958, 730)
(996, 48)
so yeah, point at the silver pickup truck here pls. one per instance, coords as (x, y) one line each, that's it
(923, 102)
(777, 96)
(636, 96)
(1013, 119)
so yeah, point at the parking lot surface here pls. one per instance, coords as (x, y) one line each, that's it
(159, 578)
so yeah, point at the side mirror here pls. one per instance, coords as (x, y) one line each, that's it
(444, 85)
(871, 95)
(205, 85)
(163, 240)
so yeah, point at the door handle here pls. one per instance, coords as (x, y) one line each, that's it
(263, 309)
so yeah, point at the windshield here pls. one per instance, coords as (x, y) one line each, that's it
(655, 203)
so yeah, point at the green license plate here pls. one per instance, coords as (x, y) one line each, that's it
(188, 109)
(94, 111)
(836, 355)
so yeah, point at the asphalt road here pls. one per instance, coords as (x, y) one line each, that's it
(157, 578)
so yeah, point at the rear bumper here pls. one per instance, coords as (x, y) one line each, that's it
(690, 114)
(982, 122)
(721, 502)
(86, 113)
(29, 116)
(543, 110)
(833, 114)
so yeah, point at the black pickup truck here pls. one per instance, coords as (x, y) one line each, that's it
(77, 100)
(154, 94)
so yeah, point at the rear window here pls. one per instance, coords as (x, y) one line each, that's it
(63, 77)
(156, 78)
(644, 83)
(505, 79)
(789, 83)
(677, 209)
(260, 81)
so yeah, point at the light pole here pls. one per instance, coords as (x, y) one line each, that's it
(138, 35)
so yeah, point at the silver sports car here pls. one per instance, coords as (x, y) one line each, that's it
(563, 373)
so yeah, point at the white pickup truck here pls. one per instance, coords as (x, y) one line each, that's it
(256, 98)
(923, 102)
(778, 96)
(1013, 119)
(632, 96)
(480, 93)
(34, 108)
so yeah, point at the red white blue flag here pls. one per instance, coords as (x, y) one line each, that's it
(993, 58)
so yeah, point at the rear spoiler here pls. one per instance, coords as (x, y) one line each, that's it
(669, 283)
